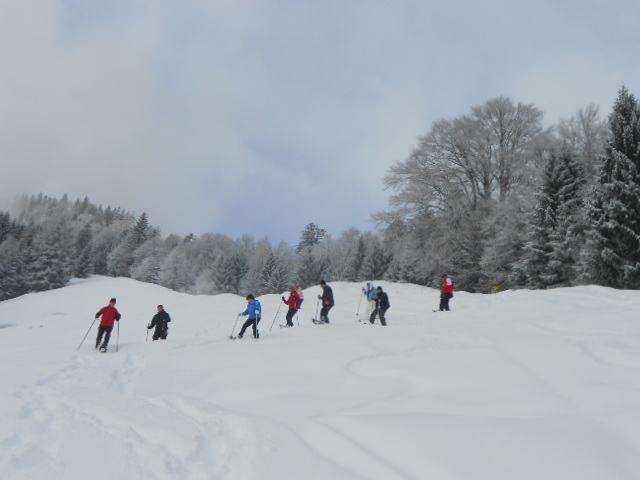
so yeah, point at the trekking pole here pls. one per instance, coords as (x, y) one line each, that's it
(274, 318)
(358, 311)
(234, 327)
(85, 337)
(118, 337)
(255, 324)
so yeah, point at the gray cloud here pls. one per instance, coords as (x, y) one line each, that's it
(262, 116)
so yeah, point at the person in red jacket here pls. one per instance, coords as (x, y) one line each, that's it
(294, 304)
(109, 315)
(446, 292)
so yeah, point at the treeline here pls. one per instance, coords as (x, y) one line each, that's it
(490, 197)
(494, 199)
(53, 240)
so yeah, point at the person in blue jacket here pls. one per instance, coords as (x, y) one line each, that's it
(254, 311)
(370, 293)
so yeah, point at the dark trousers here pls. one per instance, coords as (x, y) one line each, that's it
(289, 317)
(381, 312)
(106, 331)
(252, 322)
(324, 312)
(160, 332)
(444, 301)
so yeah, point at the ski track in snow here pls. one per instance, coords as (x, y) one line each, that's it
(524, 385)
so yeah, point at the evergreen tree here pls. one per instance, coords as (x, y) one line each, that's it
(552, 252)
(83, 266)
(310, 270)
(13, 281)
(122, 258)
(613, 241)
(377, 261)
(229, 272)
(274, 278)
(311, 235)
(356, 263)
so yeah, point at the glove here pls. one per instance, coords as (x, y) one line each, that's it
(257, 312)
(240, 314)
(148, 326)
(283, 299)
(319, 297)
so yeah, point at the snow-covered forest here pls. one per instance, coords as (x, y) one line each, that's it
(490, 197)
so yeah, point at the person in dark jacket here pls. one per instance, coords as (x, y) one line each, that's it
(327, 301)
(109, 315)
(382, 305)
(294, 304)
(161, 323)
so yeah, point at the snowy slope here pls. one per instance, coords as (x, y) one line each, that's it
(519, 385)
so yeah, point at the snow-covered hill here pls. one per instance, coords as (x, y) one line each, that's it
(519, 385)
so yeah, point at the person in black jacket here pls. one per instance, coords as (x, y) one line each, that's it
(382, 305)
(160, 322)
(327, 301)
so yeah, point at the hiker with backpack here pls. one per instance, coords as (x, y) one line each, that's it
(446, 292)
(294, 305)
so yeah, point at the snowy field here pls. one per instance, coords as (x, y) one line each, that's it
(519, 385)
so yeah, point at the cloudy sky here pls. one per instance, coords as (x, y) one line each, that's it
(261, 116)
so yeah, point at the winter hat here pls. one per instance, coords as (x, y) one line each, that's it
(379, 289)
(322, 282)
(113, 300)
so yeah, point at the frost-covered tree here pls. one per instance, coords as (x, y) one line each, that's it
(122, 258)
(450, 195)
(83, 265)
(309, 268)
(552, 251)
(274, 277)
(229, 272)
(612, 255)
(13, 279)
(585, 136)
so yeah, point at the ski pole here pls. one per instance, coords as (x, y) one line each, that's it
(147, 335)
(358, 311)
(317, 307)
(255, 324)
(85, 336)
(274, 318)
(234, 326)
(118, 337)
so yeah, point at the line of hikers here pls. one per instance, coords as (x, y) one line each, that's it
(377, 301)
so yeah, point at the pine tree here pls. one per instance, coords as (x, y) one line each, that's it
(13, 281)
(83, 266)
(552, 252)
(310, 270)
(376, 263)
(311, 235)
(274, 278)
(229, 272)
(613, 242)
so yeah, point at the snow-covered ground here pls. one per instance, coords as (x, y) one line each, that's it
(518, 385)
